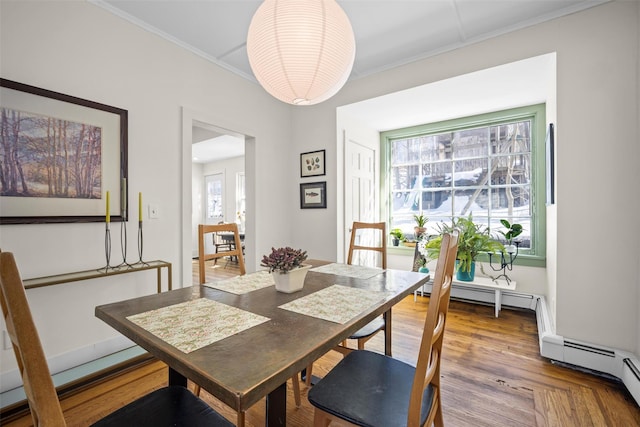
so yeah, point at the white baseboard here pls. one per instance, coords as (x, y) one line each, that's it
(69, 360)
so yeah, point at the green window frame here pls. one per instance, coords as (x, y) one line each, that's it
(412, 176)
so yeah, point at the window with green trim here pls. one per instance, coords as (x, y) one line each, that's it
(489, 166)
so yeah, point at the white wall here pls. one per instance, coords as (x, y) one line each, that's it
(79, 49)
(597, 156)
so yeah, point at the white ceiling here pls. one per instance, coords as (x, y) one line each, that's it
(388, 33)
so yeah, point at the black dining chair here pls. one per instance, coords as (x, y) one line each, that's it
(168, 406)
(371, 389)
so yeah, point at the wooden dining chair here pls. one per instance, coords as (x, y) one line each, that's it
(364, 237)
(404, 395)
(205, 230)
(370, 242)
(168, 406)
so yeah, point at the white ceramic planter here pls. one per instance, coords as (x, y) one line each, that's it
(292, 281)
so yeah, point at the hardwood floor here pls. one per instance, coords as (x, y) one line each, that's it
(492, 375)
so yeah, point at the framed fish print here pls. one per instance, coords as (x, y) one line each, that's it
(313, 195)
(312, 163)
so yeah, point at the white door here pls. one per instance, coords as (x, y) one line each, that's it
(213, 203)
(360, 196)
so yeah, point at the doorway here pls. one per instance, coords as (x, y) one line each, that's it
(213, 199)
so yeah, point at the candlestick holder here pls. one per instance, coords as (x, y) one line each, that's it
(107, 248)
(140, 245)
(505, 263)
(123, 243)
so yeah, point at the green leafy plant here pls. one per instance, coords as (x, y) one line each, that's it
(513, 231)
(283, 259)
(473, 239)
(420, 220)
(397, 234)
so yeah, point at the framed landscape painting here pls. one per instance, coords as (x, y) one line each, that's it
(59, 157)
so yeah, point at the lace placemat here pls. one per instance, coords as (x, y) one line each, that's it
(355, 271)
(243, 284)
(194, 324)
(336, 303)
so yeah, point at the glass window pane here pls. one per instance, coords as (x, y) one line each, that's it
(510, 201)
(468, 201)
(405, 151)
(470, 172)
(470, 143)
(511, 169)
(511, 138)
(436, 175)
(436, 203)
(435, 147)
(404, 177)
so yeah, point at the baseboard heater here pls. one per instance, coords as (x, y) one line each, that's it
(603, 361)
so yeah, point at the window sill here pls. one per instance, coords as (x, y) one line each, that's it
(523, 259)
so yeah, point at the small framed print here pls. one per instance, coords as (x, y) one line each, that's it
(313, 195)
(312, 163)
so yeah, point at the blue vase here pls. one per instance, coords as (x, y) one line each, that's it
(423, 270)
(464, 276)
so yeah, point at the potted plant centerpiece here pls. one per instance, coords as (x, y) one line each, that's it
(285, 265)
(473, 239)
(397, 236)
(420, 228)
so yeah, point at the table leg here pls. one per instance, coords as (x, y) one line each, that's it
(498, 302)
(276, 407)
(176, 378)
(387, 332)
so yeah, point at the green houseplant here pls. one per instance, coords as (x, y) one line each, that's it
(473, 239)
(286, 268)
(397, 236)
(420, 229)
(513, 231)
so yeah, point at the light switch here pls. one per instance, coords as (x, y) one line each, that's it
(154, 212)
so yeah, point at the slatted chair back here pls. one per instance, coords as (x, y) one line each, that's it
(203, 256)
(428, 366)
(38, 385)
(380, 248)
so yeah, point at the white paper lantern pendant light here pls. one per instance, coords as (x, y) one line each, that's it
(301, 51)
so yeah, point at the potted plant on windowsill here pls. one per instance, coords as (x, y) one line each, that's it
(397, 236)
(473, 239)
(513, 231)
(420, 228)
(285, 265)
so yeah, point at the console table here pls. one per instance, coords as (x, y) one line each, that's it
(100, 272)
(485, 283)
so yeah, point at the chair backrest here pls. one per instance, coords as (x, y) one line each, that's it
(372, 227)
(428, 365)
(38, 385)
(204, 229)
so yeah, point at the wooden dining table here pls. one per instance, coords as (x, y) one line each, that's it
(280, 338)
